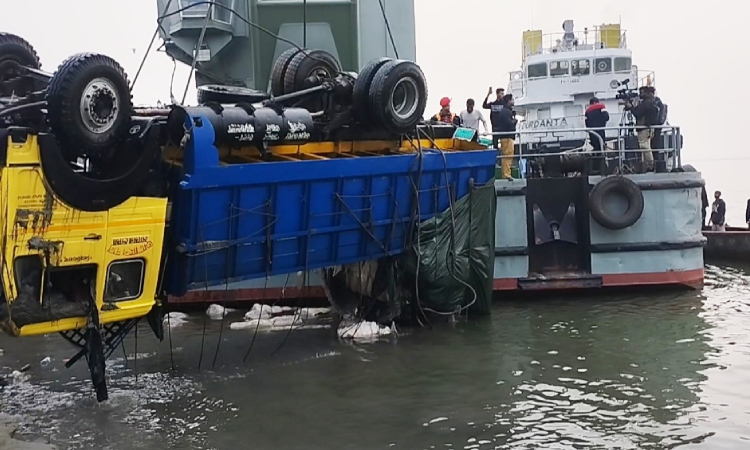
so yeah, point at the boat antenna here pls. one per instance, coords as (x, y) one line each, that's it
(531, 7)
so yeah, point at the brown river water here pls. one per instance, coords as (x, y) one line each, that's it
(631, 371)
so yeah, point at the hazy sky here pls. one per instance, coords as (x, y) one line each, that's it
(698, 50)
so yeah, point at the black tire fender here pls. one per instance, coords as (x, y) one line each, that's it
(361, 93)
(278, 71)
(93, 195)
(384, 95)
(307, 63)
(79, 74)
(16, 52)
(623, 186)
(229, 94)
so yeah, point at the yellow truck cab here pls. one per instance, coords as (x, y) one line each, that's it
(59, 262)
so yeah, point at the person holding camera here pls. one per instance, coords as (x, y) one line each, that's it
(645, 113)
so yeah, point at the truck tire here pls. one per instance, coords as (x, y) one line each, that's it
(15, 52)
(278, 71)
(229, 94)
(89, 104)
(306, 64)
(601, 194)
(361, 93)
(398, 96)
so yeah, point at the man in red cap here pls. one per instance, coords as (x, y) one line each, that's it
(445, 115)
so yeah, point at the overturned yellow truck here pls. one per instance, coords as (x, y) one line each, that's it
(107, 209)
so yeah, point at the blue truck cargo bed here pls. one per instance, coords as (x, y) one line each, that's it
(241, 221)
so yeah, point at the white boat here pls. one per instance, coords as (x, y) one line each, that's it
(577, 219)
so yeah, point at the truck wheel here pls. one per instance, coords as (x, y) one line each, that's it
(229, 94)
(89, 104)
(307, 64)
(278, 71)
(361, 94)
(398, 96)
(15, 52)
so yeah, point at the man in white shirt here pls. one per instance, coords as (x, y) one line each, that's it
(471, 117)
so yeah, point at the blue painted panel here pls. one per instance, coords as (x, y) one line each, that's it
(244, 221)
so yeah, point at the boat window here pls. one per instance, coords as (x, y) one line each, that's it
(223, 14)
(580, 67)
(537, 70)
(199, 8)
(603, 65)
(622, 64)
(124, 280)
(558, 68)
(193, 8)
(542, 114)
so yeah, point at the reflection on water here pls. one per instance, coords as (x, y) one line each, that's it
(630, 372)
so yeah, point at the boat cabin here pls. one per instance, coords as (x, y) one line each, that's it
(561, 72)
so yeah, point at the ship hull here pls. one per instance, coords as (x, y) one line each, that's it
(663, 248)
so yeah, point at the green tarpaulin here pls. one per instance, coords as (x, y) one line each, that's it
(449, 267)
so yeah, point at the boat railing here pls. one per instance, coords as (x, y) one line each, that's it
(646, 78)
(670, 152)
(588, 39)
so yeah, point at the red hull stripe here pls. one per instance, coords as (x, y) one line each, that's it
(692, 278)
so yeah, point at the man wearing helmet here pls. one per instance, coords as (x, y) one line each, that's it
(445, 115)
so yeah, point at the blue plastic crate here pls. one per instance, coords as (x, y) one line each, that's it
(237, 222)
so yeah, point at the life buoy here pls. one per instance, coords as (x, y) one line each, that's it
(601, 197)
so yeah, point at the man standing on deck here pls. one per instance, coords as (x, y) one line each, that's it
(507, 124)
(471, 117)
(718, 210)
(495, 107)
(596, 117)
(645, 113)
(661, 119)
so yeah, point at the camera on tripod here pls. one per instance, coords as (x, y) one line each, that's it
(626, 93)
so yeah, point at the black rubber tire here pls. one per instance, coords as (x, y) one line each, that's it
(229, 94)
(361, 93)
(63, 104)
(302, 66)
(382, 90)
(15, 51)
(624, 186)
(278, 71)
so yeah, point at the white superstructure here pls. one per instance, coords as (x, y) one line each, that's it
(562, 71)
